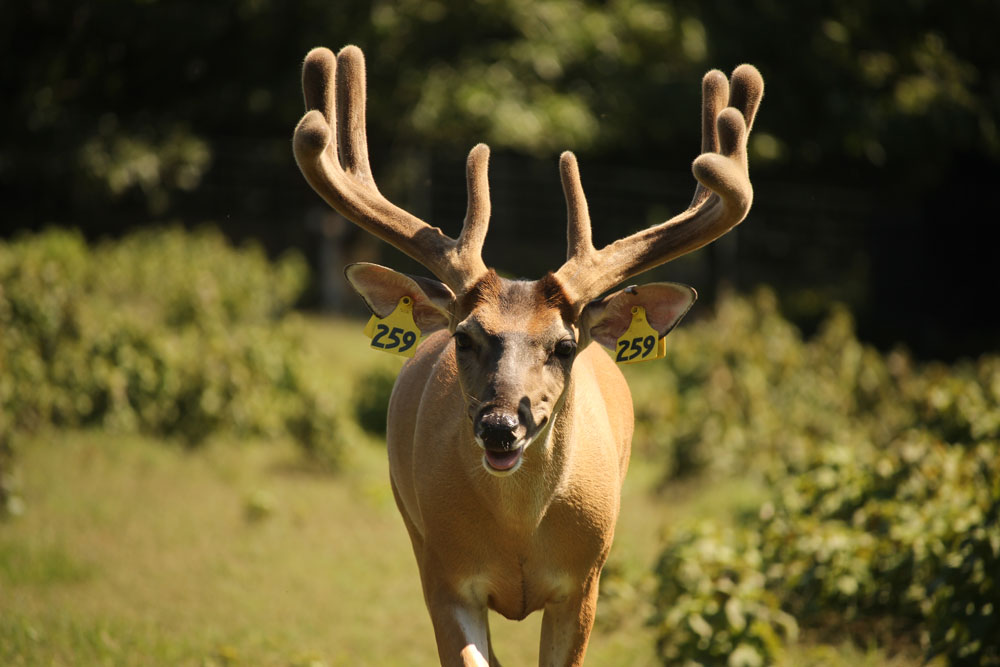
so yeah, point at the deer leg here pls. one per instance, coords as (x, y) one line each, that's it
(566, 627)
(461, 634)
(461, 626)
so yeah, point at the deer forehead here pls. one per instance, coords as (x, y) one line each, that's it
(518, 308)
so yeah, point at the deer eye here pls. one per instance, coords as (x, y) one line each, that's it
(565, 349)
(462, 340)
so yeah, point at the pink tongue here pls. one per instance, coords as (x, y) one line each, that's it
(503, 460)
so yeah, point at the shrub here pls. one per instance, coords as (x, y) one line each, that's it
(713, 604)
(167, 332)
(885, 491)
(371, 398)
(742, 389)
(10, 501)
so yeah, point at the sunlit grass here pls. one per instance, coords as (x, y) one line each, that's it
(176, 552)
(138, 553)
(143, 553)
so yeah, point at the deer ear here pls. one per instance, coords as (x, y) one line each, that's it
(605, 320)
(382, 288)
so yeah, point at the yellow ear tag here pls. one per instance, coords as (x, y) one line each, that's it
(640, 342)
(395, 333)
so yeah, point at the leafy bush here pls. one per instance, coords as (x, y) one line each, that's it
(911, 533)
(371, 398)
(715, 606)
(10, 501)
(168, 332)
(910, 530)
(885, 491)
(743, 388)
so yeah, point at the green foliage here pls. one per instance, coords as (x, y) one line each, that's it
(884, 493)
(742, 390)
(371, 398)
(100, 114)
(908, 530)
(732, 385)
(923, 75)
(10, 500)
(529, 82)
(115, 162)
(165, 332)
(104, 119)
(715, 607)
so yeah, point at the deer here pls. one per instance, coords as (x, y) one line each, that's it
(508, 432)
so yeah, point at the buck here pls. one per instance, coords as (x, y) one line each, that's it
(508, 432)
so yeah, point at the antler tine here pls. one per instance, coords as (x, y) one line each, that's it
(748, 90)
(722, 198)
(477, 213)
(579, 240)
(352, 137)
(714, 95)
(318, 77)
(331, 149)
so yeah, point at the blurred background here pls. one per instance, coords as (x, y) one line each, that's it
(192, 465)
(872, 159)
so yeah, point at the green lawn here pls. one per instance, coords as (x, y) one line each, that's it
(132, 551)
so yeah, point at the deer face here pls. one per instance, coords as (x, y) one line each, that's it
(514, 350)
(514, 344)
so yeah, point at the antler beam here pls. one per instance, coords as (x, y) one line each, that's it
(721, 201)
(331, 149)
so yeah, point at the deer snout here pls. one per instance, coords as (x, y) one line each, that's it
(499, 430)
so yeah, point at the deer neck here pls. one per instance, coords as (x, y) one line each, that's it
(519, 501)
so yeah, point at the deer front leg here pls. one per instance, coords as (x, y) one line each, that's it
(461, 626)
(566, 627)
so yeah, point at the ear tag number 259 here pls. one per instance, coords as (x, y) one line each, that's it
(640, 342)
(395, 333)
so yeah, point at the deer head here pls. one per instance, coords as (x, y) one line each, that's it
(515, 342)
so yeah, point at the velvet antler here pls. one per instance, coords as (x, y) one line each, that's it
(721, 200)
(331, 148)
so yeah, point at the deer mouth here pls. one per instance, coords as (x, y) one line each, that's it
(503, 461)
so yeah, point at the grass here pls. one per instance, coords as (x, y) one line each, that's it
(178, 554)
(135, 552)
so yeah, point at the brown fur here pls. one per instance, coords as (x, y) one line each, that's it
(534, 540)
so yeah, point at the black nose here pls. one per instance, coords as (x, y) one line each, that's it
(497, 430)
